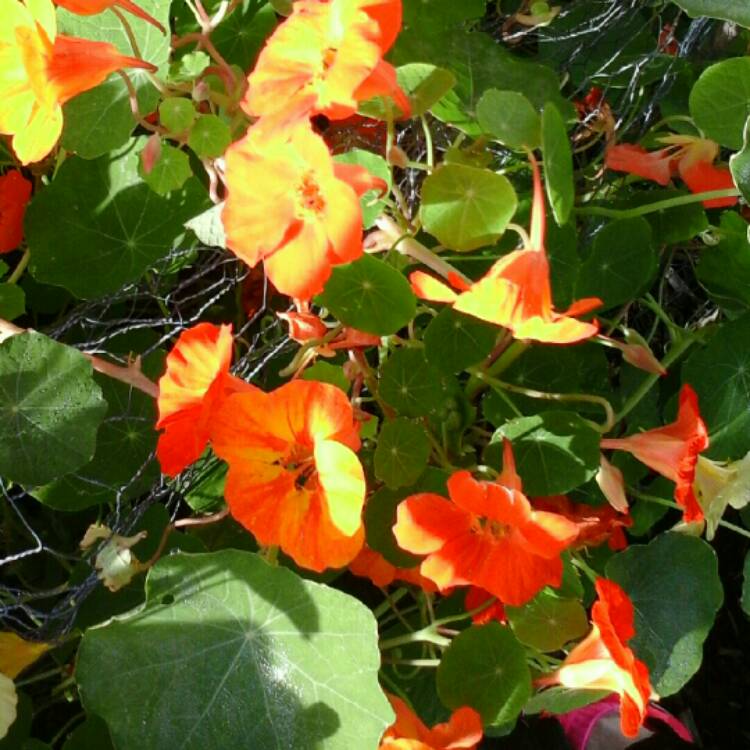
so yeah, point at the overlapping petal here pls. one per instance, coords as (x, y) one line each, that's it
(673, 450)
(294, 480)
(487, 536)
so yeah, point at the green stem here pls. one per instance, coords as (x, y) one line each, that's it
(428, 143)
(585, 568)
(679, 348)
(414, 662)
(390, 601)
(39, 677)
(500, 365)
(20, 268)
(682, 200)
(608, 424)
(426, 635)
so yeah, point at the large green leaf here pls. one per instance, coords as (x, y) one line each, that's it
(724, 268)
(720, 101)
(558, 163)
(465, 207)
(555, 451)
(98, 225)
(485, 668)
(100, 120)
(737, 11)
(120, 466)
(621, 264)
(50, 409)
(370, 295)
(675, 588)
(229, 651)
(720, 375)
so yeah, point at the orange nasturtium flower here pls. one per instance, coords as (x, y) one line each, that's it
(294, 479)
(92, 7)
(195, 383)
(325, 58)
(690, 157)
(673, 451)
(603, 661)
(292, 207)
(487, 536)
(41, 70)
(463, 731)
(371, 564)
(15, 191)
(515, 293)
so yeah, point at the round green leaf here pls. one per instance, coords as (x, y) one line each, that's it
(101, 119)
(736, 11)
(50, 409)
(509, 117)
(676, 591)
(369, 295)
(124, 445)
(325, 372)
(454, 341)
(170, 172)
(209, 137)
(548, 622)
(621, 264)
(411, 385)
(372, 201)
(720, 375)
(558, 163)
(98, 225)
(465, 207)
(177, 114)
(485, 668)
(720, 101)
(233, 652)
(12, 301)
(402, 453)
(555, 451)
(424, 84)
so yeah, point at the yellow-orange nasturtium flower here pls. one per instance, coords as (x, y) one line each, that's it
(40, 70)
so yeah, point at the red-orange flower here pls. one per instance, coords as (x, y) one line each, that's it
(290, 206)
(463, 731)
(487, 536)
(294, 479)
(515, 293)
(689, 157)
(673, 450)
(596, 525)
(325, 58)
(195, 383)
(15, 191)
(372, 565)
(42, 70)
(603, 661)
(92, 7)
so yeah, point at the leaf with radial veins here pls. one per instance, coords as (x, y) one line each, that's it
(98, 225)
(229, 651)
